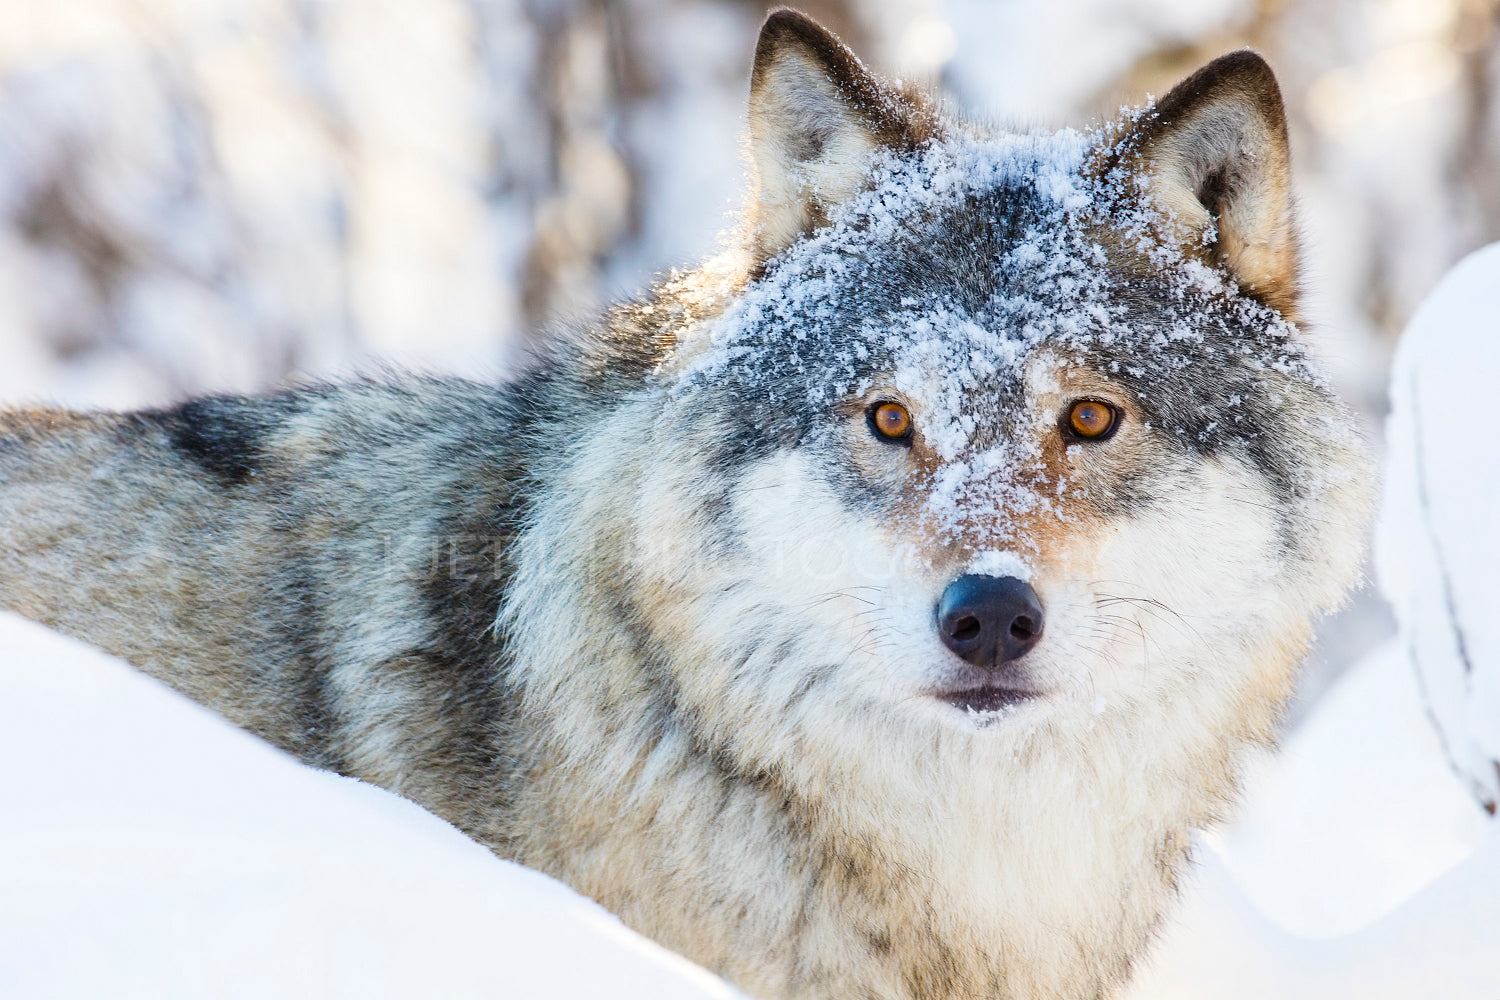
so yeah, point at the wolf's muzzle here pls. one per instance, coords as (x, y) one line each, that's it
(989, 620)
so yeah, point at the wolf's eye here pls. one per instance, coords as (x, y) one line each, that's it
(891, 421)
(1092, 420)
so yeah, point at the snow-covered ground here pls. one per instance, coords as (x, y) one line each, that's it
(1436, 544)
(149, 849)
(1361, 867)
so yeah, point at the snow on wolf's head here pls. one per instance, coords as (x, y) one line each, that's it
(1006, 434)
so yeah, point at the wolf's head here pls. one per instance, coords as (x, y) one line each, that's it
(1004, 444)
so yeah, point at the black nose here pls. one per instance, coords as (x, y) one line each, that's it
(989, 620)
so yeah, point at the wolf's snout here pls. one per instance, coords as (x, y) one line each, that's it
(989, 620)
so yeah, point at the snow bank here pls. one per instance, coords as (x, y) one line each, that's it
(1365, 864)
(150, 849)
(1437, 544)
(1357, 813)
(1439, 946)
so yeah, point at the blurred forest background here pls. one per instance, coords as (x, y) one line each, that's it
(218, 195)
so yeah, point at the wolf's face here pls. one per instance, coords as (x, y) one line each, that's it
(994, 451)
(990, 467)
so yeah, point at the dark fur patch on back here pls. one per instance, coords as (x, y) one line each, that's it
(224, 435)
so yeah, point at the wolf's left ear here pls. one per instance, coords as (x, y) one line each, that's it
(816, 116)
(1214, 155)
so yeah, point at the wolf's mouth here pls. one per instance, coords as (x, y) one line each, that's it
(985, 699)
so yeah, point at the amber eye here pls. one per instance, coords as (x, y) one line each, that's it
(1093, 420)
(891, 421)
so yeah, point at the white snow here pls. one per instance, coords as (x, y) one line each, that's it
(1437, 546)
(1439, 946)
(1357, 812)
(149, 849)
(997, 562)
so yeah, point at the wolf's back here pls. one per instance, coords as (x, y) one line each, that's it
(323, 567)
(109, 534)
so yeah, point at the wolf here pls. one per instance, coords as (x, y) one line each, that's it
(874, 611)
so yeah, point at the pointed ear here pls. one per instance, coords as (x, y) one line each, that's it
(816, 115)
(1214, 155)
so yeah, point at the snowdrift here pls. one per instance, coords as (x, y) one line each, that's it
(149, 849)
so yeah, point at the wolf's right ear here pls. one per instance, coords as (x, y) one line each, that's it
(1213, 154)
(816, 115)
